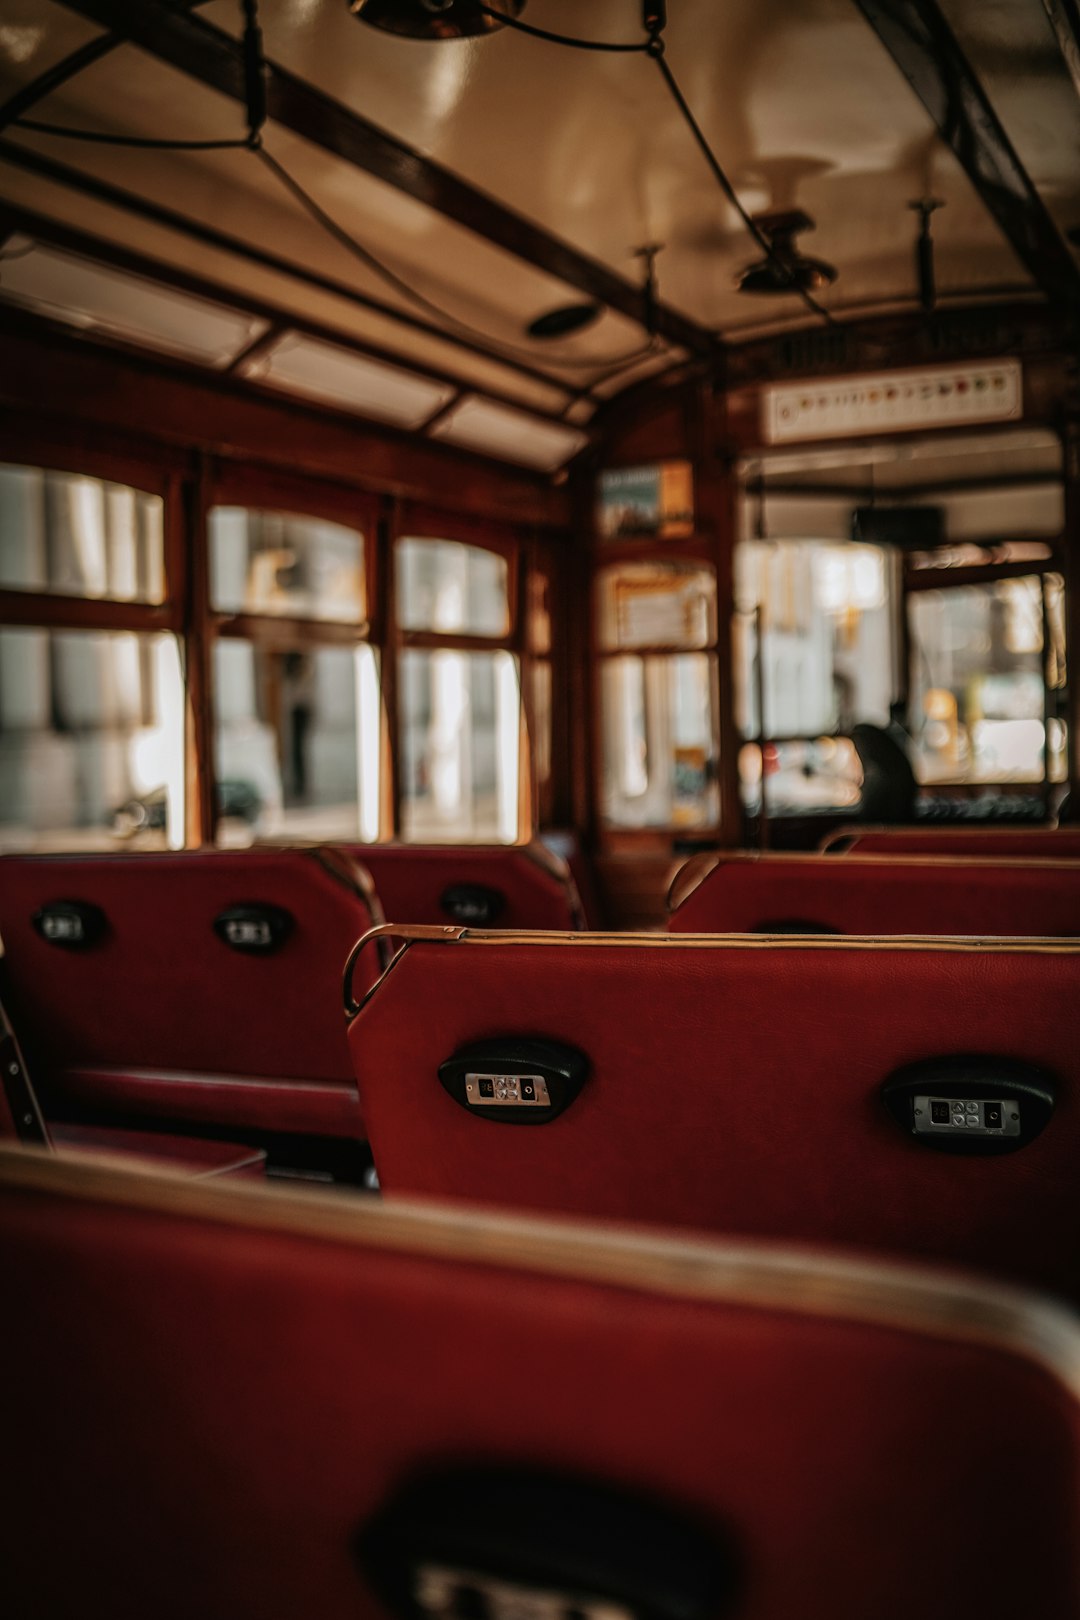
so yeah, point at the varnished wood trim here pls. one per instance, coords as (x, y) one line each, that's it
(938, 1304)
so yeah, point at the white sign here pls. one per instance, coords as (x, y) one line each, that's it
(845, 407)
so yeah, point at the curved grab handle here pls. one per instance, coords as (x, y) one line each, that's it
(406, 934)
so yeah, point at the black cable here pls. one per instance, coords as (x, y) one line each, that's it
(400, 285)
(560, 39)
(254, 72)
(654, 46)
(656, 51)
(144, 143)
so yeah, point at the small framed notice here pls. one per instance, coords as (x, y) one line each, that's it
(657, 501)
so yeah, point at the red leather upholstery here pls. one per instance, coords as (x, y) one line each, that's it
(734, 1086)
(189, 1154)
(864, 894)
(21, 1119)
(1031, 843)
(217, 1388)
(161, 1017)
(410, 880)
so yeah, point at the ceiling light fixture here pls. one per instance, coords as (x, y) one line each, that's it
(786, 270)
(563, 321)
(434, 19)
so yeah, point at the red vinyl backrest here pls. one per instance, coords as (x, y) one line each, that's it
(734, 1085)
(877, 895)
(534, 885)
(160, 989)
(219, 1388)
(1032, 843)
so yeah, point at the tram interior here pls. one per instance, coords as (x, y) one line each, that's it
(539, 809)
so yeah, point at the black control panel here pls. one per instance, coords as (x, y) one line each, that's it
(971, 1105)
(514, 1079)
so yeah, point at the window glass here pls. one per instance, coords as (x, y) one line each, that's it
(657, 605)
(978, 685)
(297, 739)
(91, 739)
(827, 655)
(280, 563)
(460, 722)
(820, 773)
(659, 761)
(77, 536)
(445, 586)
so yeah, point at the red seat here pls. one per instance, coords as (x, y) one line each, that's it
(159, 1016)
(234, 1402)
(504, 886)
(21, 1119)
(864, 894)
(735, 1085)
(1030, 843)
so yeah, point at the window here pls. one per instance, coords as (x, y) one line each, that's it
(92, 707)
(280, 563)
(75, 536)
(460, 706)
(988, 670)
(91, 739)
(814, 654)
(446, 587)
(297, 707)
(658, 708)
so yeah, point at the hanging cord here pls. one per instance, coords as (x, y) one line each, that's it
(560, 39)
(654, 16)
(140, 143)
(401, 286)
(656, 51)
(255, 97)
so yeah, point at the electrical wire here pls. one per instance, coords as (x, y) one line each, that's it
(144, 143)
(657, 54)
(560, 39)
(406, 290)
(653, 46)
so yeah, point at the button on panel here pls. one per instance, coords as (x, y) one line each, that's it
(507, 1090)
(990, 1117)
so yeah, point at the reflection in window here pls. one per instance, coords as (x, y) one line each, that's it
(820, 773)
(79, 536)
(824, 661)
(657, 605)
(91, 739)
(659, 764)
(826, 643)
(445, 586)
(297, 737)
(280, 563)
(979, 681)
(460, 721)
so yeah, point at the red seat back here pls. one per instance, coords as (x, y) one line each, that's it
(864, 894)
(1031, 843)
(735, 1085)
(503, 886)
(160, 1015)
(224, 1395)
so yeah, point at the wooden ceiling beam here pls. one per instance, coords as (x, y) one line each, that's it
(215, 59)
(158, 213)
(928, 54)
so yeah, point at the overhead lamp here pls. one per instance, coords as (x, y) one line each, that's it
(435, 19)
(563, 321)
(785, 269)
